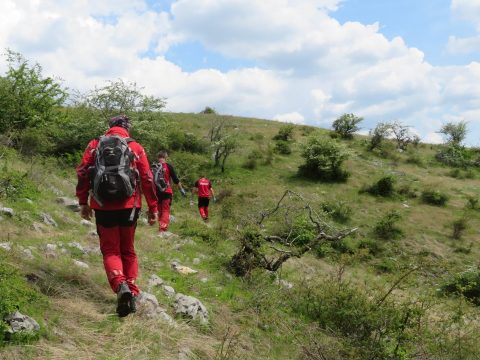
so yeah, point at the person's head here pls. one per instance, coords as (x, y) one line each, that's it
(122, 121)
(162, 155)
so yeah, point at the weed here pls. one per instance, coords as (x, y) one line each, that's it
(459, 226)
(384, 187)
(434, 197)
(387, 228)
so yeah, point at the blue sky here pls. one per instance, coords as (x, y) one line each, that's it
(302, 61)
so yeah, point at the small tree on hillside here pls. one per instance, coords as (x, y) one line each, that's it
(454, 133)
(346, 125)
(285, 133)
(290, 229)
(323, 159)
(27, 99)
(402, 134)
(378, 135)
(223, 144)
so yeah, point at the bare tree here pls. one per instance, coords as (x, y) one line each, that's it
(223, 144)
(263, 246)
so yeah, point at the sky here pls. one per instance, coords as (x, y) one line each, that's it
(300, 61)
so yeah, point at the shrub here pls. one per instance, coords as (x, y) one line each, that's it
(434, 197)
(387, 228)
(323, 159)
(15, 185)
(339, 211)
(285, 133)
(282, 147)
(379, 134)
(466, 283)
(459, 226)
(208, 110)
(453, 155)
(250, 164)
(346, 125)
(472, 203)
(384, 187)
(185, 141)
(16, 294)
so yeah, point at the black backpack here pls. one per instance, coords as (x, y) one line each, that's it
(113, 177)
(159, 177)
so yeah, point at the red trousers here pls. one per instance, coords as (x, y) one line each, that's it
(164, 213)
(117, 234)
(203, 203)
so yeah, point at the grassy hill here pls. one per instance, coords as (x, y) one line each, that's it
(362, 297)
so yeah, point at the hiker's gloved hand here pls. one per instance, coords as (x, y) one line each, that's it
(214, 199)
(183, 192)
(152, 217)
(86, 212)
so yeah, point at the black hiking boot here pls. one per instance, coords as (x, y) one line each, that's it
(124, 297)
(133, 304)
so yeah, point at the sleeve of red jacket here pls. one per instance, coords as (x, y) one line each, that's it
(83, 184)
(146, 179)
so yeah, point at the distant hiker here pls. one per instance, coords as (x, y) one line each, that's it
(114, 171)
(164, 174)
(204, 190)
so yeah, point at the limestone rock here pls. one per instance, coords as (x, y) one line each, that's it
(27, 254)
(169, 291)
(7, 211)
(47, 219)
(81, 264)
(191, 307)
(69, 203)
(148, 305)
(6, 246)
(87, 223)
(181, 269)
(154, 281)
(19, 322)
(38, 227)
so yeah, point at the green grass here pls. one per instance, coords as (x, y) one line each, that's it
(256, 312)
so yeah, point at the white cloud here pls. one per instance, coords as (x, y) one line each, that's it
(467, 10)
(304, 59)
(293, 117)
(466, 45)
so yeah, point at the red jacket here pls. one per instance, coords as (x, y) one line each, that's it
(203, 185)
(142, 165)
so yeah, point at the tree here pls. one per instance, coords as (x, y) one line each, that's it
(27, 99)
(223, 144)
(454, 133)
(379, 134)
(346, 125)
(285, 133)
(290, 229)
(402, 135)
(323, 159)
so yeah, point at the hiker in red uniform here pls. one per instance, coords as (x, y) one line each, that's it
(164, 175)
(117, 203)
(204, 190)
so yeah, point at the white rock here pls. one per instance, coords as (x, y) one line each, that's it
(169, 291)
(86, 223)
(81, 264)
(76, 245)
(38, 227)
(191, 307)
(69, 203)
(181, 269)
(7, 211)
(47, 219)
(204, 280)
(148, 306)
(6, 246)
(154, 281)
(27, 254)
(196, 261)
(19, 323)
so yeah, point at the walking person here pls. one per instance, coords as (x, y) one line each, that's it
(164, 175)
(203, 188)
(114, 171)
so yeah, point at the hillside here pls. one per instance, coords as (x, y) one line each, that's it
(360, 297)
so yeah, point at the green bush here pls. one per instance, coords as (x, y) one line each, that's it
(459, 226)
(473, 203)
(434, 197)
(466, 283)
(16, 185)
(208, 110)
(285, 133)
(250, 164)
(323, 159)
(185, 141)
(453, 155)
(339, 211)
(384, 187)
(368, 329)
(282, 147)
(387, 228)
(16, 294)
